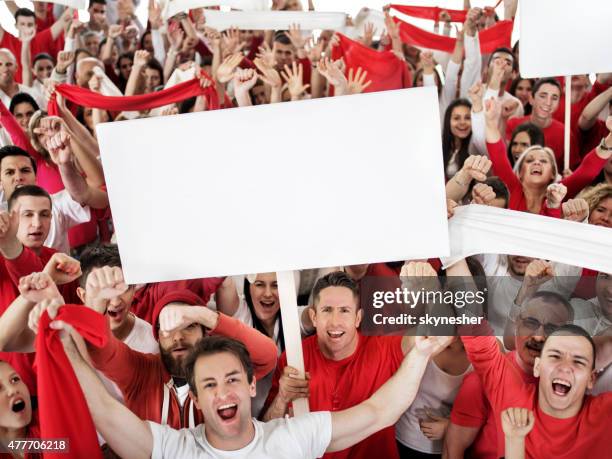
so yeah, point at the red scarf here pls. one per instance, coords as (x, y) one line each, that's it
(384, 68)
(430, 12)
(62, 408)
(497, 36)
(176, 93)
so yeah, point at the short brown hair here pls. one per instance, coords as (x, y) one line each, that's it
(29, 190)
(210, 345)
(334, 279)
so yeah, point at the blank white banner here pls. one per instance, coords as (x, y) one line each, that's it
(274, 20)
(565, 37)
(172, 7)
(478, 229)
(278, 187)
(78, 4)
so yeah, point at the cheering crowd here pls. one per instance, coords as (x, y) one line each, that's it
(197, 368)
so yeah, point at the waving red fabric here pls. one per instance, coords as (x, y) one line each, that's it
(62, 408)
(384, 68)
(494, 37)
(430, 12)
(167, 96)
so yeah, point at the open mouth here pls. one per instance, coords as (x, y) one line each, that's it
(227, 412)
(115, 313)
(335, 334)
(18, 406)
(534, 346)
(36, 234)
(561, 387)
(179, 351)
(267, 304)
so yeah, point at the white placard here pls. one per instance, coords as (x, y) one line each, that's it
(172, 7)
(274, 20)
(478, 229)
(278, 187)
(565, 37)
(78, 4)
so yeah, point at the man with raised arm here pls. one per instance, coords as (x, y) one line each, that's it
(221, 383)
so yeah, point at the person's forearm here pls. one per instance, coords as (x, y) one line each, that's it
(135, 83)
(510, 7)
(515, 448)
(159, 52)
(275, 95)
(11, 248)
(317, 84)
(26, 65)
(58, 26)
(74, 183)
(15, 336)
(170, 63)
(457, 187)
(107, 50)
(226, 297)
(243, 99)
(277, 409)
(397, 394)
(261, 348)
(591, 111)
(125, 433)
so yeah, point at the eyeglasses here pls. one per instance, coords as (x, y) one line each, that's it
(533, 324)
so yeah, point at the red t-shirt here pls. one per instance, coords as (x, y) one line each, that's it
(472, 409)
(554, 136)
(591, 138)
(584, 435)
(42, 42)
(338, 385)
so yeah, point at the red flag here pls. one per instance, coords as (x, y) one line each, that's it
(494, 37)
(430, 12)
(167, 96)
(384, 68)
(62, 408)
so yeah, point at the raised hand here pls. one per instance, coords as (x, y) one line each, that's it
(115, 31)
(509, 108)
(9, 224)
(333, 74)
(266, 55)
(175, 37)
(576, 210)
(517, 422)
(231, 41)
(141, 58)
(102, 285)
(450, 208)
(62, 269)
(357, 81)
(269, 75)
(427, 62)
(555, 192)
(538, 272)
(295, 36)
(314, 51)
(429, 346)
(95, 83)
(492, 111)
(177, 316)
(64, 60)
(294, 77)
(475, 93)
(244, 80)
(476, 168)
(368, 33)
(37, 287)
(155, 17)
(482, 194)
(52, 307)
(59, 148)
(225, 72)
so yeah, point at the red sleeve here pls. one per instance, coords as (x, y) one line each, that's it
(205, 287)
(502, 384)
(109, 69)
(19, 138)
(470, 407)
(590, 167)
(282, 363)
(510, 126)
(128, 368)
(501, 166)
(26, 263)
(307, 65)
(261, 348)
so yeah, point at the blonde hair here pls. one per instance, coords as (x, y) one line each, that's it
(551, 156)
(595, 194)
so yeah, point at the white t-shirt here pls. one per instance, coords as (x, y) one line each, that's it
(306, 436)
(65, 213)
(35, 93)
